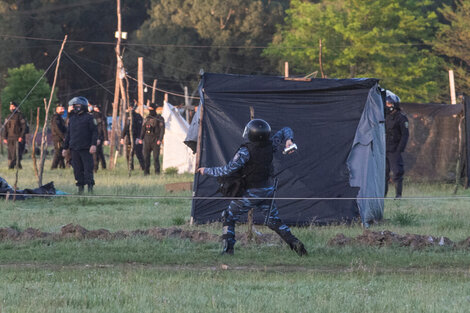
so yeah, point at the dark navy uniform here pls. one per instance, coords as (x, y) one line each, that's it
(81, 134)
(254, 159)
(101, 125)
(58, 130)
(15, 128)
(396, 124)
(136, 129)
(153, 131)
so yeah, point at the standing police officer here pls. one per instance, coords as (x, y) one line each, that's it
(14, 135)
(152, 136)
(396, 124)
(136, 129)
(81, 139)
(101, 124)
(253, 161)
(58, 136)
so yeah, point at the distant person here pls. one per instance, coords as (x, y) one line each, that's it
(58, 130)
(253, 162)
(151, 135)
(81, 138)
(396, 124)
(102, 125)
(14, 135)
(126, 138)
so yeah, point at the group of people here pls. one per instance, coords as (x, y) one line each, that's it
(79, 139)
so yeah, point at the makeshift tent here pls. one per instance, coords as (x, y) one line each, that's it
(437, 147)
(338, 126)
(175, 153)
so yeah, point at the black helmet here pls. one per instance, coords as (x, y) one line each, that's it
(79, 104)
(257, 130)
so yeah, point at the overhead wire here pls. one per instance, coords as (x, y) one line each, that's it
(163, 90)
(73, 61)
(187, 46)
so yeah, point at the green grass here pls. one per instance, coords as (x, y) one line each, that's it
(141, 289)
(141, 274)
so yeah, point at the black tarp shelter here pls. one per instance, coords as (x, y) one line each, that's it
(438, 143)
(338, 127)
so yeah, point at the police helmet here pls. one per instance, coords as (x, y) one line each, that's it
(393, 99)
(79, 104)
(257, 130)
(13, 103)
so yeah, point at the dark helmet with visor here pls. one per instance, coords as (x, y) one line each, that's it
(79, 104)
(393, 99)
(257, 130)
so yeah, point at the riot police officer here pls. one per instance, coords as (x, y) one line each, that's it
(126, 138)
(14, 134)
(253, 161)
(81, 138)
(101, 124)
(152, 136)
(396, 124)
(58, 130)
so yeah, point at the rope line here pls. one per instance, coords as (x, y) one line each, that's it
(233, 198)
(162, 90)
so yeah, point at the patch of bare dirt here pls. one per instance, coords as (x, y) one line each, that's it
(388, 238)
(73, 231)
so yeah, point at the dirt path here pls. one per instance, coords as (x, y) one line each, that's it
(246, 268)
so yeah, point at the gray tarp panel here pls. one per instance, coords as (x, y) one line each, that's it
(367, 159)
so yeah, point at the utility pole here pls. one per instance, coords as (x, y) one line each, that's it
(186, 103)
(140, 84)
(116, 89)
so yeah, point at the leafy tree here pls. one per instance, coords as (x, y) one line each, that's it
(19, 82)
(453, 41)
(176, 26)
(370, 38)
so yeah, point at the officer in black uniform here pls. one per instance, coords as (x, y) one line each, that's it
(152, 136)
(253, 161)
(396, 124)
(102, 138)
(14, 134)
(126, 138)
(58, 136)
(81, 138)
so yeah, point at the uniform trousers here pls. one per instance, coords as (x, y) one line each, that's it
(395, 165)
(82, 163)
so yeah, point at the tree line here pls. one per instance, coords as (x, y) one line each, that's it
(408, 45)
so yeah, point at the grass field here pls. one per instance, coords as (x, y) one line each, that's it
(141, 274)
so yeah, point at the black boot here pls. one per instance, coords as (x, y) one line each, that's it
(80, 190)
(227, 246)
(90, 188)
(298, 247)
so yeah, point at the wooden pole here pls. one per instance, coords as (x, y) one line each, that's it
(154, 89)
(186, 103)
(286, 69)
(320, 59)
(112, 155)
(453, 99)
(140, 84)
(48, 106)
(1, 132)
(33, 145)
